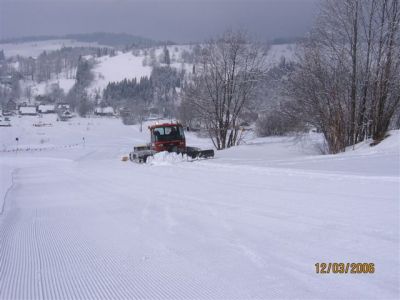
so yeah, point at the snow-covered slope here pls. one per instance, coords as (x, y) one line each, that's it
(129, 66)
(45, 87)
(251, 223)
(117, 68)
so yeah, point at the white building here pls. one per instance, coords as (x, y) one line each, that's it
(28, 110)
(46, 108)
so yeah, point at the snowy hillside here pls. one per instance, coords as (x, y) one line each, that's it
(117, 68)
(113, 68)
(33, 49)
(129, 66)
(44, 87)
(251, 223)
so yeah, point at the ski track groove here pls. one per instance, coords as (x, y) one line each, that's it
(154, 209)
(249, 253)
(39, 255)
(55, 263)
(94, 284)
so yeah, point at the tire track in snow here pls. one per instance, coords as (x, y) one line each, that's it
(13, 173)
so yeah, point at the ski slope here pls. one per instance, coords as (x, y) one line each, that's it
(80, 223)
(117, 68)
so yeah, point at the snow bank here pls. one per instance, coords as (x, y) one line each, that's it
(389, 145)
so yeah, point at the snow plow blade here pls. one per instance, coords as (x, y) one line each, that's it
(141, 156)
(198, 153)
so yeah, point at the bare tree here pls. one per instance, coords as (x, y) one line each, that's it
(228, 71)
(386, 75)
(28, 93)
(351, 65)
(320, 94)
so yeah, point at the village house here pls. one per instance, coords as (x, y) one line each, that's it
(46, 108)
(104, 111)
(27, 111)
(9, 108)
(63, 107)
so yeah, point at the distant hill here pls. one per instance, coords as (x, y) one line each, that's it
(29, 39)
(286, 40)
(115, 39)
(120, 40)
(102, 38)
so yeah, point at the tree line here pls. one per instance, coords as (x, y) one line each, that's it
(156, 92)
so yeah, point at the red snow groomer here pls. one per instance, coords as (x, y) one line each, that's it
(167, 137)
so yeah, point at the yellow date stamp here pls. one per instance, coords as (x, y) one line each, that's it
(345, 268)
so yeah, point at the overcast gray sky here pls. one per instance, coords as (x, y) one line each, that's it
(177, 20)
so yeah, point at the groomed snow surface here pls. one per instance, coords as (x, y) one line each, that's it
(78, 223)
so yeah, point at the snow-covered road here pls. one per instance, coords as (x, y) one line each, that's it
(79, 223)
